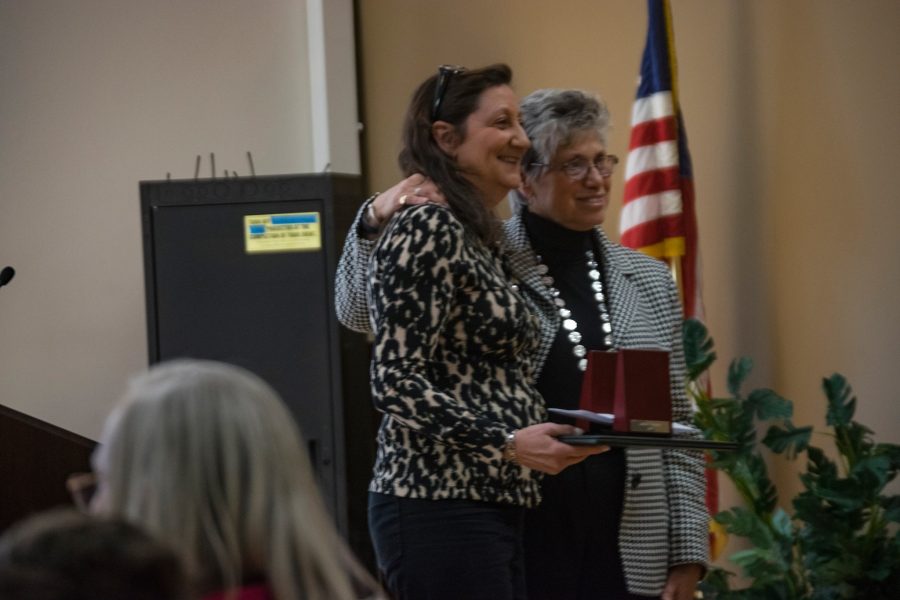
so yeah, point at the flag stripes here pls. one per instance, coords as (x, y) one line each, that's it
(650, 157)
(653, 209)
(645, 133)
(657, 215)
(650, 207)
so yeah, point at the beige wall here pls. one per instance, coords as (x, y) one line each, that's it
(791, 115)
(100, 94)
(831, 135)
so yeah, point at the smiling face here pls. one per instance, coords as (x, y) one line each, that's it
(578, 205)
(490, 152)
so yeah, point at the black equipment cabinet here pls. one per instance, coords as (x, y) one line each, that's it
(209, 295)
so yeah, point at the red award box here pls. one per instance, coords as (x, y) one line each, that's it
(632, 385)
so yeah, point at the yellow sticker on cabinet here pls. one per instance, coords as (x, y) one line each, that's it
(289, 232)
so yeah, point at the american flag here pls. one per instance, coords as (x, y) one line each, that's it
(658, 210)
(658, 215)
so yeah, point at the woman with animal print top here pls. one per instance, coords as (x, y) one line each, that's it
(463, 441)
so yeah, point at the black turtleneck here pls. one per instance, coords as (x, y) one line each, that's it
(576, 527)
(564, 252)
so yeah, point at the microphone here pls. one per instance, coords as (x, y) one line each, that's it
(6, 275)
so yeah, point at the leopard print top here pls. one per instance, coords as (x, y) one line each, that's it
(451, 367)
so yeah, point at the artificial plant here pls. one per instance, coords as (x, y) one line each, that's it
(841, 539)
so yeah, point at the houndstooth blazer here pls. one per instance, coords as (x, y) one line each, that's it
(664, 519)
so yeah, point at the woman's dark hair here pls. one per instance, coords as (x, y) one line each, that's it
(421, 153)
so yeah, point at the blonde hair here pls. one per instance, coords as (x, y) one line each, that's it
(206, 456)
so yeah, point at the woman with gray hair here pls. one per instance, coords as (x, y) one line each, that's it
(206, 456)
(623, 524)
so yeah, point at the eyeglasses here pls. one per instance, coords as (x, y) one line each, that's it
(82, 487)
(445, 72)
(579, 168)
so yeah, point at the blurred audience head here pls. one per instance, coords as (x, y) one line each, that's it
(207, 457)
(67, 555)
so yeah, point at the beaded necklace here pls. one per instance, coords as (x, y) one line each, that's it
(568, 323)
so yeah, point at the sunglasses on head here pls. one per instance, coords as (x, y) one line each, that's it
(445, 73)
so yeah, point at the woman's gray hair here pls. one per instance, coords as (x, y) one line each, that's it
(207, 457)
(555, 118)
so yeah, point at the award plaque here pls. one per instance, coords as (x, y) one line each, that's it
(633, 385)
(627, 393)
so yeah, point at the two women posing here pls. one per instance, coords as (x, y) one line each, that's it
(481, 326)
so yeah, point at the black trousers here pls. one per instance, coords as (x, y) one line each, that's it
(572, 538)
(448, 549)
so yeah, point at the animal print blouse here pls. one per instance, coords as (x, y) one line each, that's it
(451, 370)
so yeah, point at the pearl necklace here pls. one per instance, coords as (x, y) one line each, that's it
(568, 323)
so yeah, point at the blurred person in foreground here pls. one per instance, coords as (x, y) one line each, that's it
(68, 555)
(206, 456)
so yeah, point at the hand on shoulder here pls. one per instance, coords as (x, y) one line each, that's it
(414, 190)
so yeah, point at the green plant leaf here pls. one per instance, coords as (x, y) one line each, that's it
(711, 417)
(842, 540)
(745, 523)
(844, 494)
(891, 506)
(881, 568)
(819, 465)
(853, 442)
(812, 512)
(766, 404)
(762, 564)
(789, 440)
(766, 495)
(841, 406)
(698, 348)
(716, 580)
(840, 591)
(892, 451)
(871, 472)
(781, 523)
(737, 373)
(725, 419)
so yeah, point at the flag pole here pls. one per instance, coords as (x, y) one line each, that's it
(658, 215)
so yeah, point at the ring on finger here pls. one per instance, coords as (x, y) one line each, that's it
(402, 200)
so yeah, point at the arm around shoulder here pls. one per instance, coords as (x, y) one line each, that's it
(352, 277)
